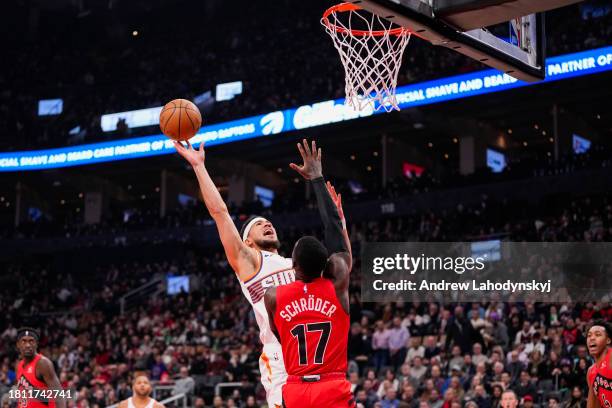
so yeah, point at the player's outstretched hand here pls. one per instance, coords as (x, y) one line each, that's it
(193, 156)
(336, 198)
(311, 169)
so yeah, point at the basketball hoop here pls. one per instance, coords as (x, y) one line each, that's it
(370, 49)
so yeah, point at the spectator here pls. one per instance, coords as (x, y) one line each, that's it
(477, 356)
(535, 344)
(365, 400)
(527, 401)
(524, 385)
(431, 347)
(460, 331)
(496, 395)
(577, 399)
(481, 398)
(398, 341)
(524, 336)
(390, 400)
(416, 349)
(380, 345)
(408, 396)
(185, 384)
(553, 402)
(389, 382)
(509, 399)
(417, 371)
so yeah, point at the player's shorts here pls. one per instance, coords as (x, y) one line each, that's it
(324, 391)
(273, 374)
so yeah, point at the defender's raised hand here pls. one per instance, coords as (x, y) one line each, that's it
(337, 199)
(312, 168)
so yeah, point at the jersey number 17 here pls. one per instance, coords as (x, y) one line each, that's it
(302, 330)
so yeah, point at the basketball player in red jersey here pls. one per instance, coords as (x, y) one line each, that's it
(599, 375)
(141, 395)
(310, 316)
(37, 382)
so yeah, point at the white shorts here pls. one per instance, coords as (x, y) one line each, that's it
(273, 374)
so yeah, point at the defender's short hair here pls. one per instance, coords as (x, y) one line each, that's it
(311, 256)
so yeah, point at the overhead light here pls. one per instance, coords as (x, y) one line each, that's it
(548, 154)
(509, 131)
(598, 116)
(8, 204)
(80, 195)
(543, 133)
(525, 144)
(352, 157)
(551, 140)
(369, 168)
(142, 197)
(157, 189)
(1, 199)
(375, 154)
(296, 180)
(430, 144)
(279, 170)
(536, 126)
(135, 33)
(455, 140)
(446, 155)
(62, 202)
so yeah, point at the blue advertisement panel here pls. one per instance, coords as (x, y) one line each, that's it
(307, 116)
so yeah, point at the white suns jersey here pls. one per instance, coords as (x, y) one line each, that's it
(150, 404)
(275, 270)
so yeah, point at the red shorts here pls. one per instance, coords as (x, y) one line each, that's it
(331, 391)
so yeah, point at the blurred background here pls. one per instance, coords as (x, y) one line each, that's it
(120, 267)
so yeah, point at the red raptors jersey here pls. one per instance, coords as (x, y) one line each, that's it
(26, 380)
(313, 327)
(600, 378)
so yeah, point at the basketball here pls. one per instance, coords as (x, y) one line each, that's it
(180, 120)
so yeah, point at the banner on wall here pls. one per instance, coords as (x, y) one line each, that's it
(307, 116)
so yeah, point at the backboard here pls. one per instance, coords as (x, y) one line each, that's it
(504, 34)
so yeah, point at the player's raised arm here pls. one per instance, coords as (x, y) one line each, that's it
(46, 370)
(329, 203)
(242, 258)
(337, 199)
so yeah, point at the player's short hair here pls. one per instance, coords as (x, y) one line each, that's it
(603, 324)
(139, 374)
(27, 331)
(310, 255)
(246, 224)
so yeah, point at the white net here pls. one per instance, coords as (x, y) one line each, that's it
(371, 50)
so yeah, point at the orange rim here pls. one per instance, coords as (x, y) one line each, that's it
(344, 7)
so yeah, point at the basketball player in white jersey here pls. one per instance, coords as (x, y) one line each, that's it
(253, 253)
(141, 391)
